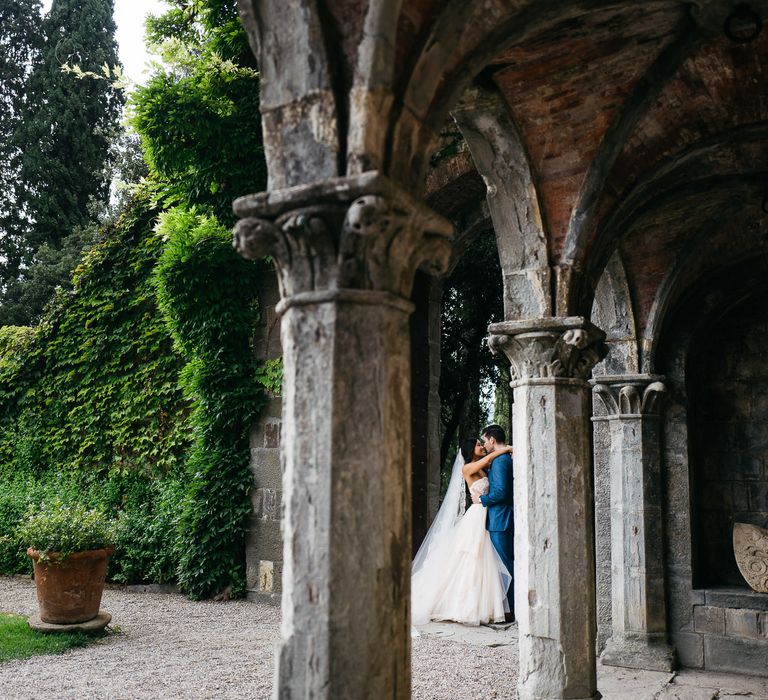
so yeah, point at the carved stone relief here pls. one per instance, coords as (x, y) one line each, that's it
(554, 347)
(361, 233)
(750, 546)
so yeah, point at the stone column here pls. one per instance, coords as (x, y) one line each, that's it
(551, 360)
(631, 405)
(346, 252)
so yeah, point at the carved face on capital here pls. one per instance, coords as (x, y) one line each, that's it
(368, 216)
(578, 338)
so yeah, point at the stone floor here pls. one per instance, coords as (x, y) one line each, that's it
(624, 683)
(171, 648)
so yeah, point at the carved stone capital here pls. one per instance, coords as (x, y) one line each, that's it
(630, 395)
(548, 348)
(359, 233)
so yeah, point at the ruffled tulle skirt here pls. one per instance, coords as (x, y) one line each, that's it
(464, 579)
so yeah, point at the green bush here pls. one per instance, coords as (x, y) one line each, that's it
(66, 527)
(146, 534)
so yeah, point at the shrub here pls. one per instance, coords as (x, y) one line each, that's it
(65, 528)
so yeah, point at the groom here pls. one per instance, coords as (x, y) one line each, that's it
(499, 502)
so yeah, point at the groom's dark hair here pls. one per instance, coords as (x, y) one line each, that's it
(496, 432)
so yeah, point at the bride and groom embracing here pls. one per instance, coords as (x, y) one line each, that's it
(463, 569)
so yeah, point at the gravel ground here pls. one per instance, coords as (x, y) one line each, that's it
(169, 647)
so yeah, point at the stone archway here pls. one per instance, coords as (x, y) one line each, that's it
(354, 95)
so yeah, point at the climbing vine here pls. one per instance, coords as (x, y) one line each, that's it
(90, 404)
(137, 390)
(207, 293)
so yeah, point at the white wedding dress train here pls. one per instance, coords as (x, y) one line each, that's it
(461, 577)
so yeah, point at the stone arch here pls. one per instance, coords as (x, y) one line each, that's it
(449, 58)
(729, 239)
(612, 312)
(732, 164)
(614, 141)
(501, 160)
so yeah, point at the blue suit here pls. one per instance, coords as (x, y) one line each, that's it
(500, 519)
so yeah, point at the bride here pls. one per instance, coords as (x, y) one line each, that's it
(457, 574)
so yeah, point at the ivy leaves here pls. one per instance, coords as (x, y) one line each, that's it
(207, 293)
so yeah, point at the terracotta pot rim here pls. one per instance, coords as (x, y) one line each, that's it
(87, 554)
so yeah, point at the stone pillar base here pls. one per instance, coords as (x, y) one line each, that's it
(645, 653)
(522, 695)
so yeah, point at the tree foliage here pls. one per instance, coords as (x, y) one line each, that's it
(112, 403)
(472, 298)
(62, 139)
(20, 42)
(199, 117)
(68, 121)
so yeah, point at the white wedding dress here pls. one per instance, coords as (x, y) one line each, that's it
(460, 576)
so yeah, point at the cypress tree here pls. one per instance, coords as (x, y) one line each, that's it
(20, 41)
(67, 126)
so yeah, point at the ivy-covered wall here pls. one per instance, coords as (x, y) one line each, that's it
(136, 393)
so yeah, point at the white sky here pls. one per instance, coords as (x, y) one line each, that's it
(129, 17)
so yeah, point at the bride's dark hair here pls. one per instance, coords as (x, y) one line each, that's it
(467, 449)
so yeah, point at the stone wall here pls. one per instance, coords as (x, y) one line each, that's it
(264, 544)
(713, 624)
(728, 380)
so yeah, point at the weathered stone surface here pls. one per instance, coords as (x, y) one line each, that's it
(362, 233)
(554, 541)
(601, 450)
(425, 329)
(265, 466)
(630, 406)
(346, 252)
(264, 537)
(750, 546)
(549, 348)
(708, 619)
(736, 655)
(736, 598)
(266, 504)
(741, 623)
(517, 220)
(690, 649)
(612, 311)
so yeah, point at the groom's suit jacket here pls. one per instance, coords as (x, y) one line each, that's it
(498, 500)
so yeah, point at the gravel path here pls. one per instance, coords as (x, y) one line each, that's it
(169, 648)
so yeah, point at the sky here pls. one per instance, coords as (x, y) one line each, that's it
(129, 17)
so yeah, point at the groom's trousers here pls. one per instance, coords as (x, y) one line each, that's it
(504, 543)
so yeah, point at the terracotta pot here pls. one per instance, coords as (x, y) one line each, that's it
(69, 591)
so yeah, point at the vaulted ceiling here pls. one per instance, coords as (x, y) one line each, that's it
(642, 127)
